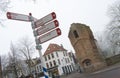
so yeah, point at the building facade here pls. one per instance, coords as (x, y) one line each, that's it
(73, 59)
(37, 68)
(57, 60)
(84, 44)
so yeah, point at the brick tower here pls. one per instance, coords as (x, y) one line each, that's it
(84, 44)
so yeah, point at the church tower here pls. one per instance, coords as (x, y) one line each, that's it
(84, 44)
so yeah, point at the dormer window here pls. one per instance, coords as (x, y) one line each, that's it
(48, 49)
(75, 34)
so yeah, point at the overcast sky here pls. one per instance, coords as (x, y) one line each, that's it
(90, 12)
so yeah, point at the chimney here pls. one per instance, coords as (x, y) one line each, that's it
(61, 45)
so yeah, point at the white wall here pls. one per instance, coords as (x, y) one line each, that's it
(63, 60)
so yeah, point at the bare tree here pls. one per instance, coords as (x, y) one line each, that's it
(4, 63)
(13, 60)
(9, 61)
(26, 49)
(101, 43)
(113, 28)
(114, 12)
(4, 5)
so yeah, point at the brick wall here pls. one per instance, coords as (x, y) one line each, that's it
(113, 60)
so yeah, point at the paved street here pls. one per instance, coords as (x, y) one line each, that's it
(110, 72)
(75, 75)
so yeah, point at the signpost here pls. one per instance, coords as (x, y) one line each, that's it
(48, 36)
(20, 17)
(43, 29)
(45, 19)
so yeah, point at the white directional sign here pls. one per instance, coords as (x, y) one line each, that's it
(46, 28)
(48, 36)
(45, 19)
(20, 17)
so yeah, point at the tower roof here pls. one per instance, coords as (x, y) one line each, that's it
(52, 48)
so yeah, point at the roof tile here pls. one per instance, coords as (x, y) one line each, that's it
(54, 47)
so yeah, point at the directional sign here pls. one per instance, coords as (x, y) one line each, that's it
(48, 36)
(45, 19)
(46, 28)
(20, 17)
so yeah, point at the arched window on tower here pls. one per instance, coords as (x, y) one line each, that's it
(75, 34)
(87, 62)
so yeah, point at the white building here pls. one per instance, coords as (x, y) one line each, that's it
(57, 60)
(38, 68)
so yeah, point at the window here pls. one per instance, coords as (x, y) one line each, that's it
(87, 62)
(37, 69)
(50, 64)
(54, 62)
(48, 49)
(71, 58)
(49, 57)
(63, 68)
(57, 54)
(52, 55)
(47, 65)
(68, 60)
(59, 62)
(63, 53)
(45, 58)
(75, 34)
(40, 67)
(66, 53)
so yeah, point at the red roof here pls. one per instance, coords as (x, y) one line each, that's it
(54, 47)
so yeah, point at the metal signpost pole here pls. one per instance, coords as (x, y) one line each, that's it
(39, 48)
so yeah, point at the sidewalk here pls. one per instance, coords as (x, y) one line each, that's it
(85, 75)
(115, 66)
(74, 75)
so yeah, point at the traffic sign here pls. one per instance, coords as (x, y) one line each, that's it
(46, 28)
(45, 19)
(48, 36)
(20, 17)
